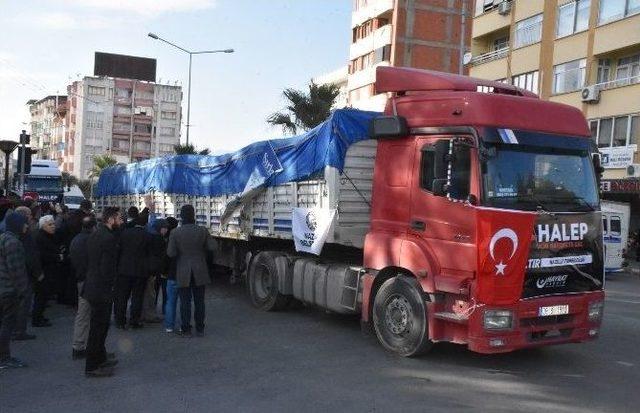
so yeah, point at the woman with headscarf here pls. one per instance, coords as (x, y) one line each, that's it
(51, 257)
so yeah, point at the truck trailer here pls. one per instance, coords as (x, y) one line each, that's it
(467, 212)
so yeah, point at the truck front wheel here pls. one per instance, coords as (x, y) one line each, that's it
(400, 317)
(263, 283)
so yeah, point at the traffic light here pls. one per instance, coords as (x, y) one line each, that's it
(27, 159)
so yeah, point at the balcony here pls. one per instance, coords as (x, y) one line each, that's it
(374, 9)
(489, 22)
(617, 35)
(490, 56)
(379, 38)
(617, 97)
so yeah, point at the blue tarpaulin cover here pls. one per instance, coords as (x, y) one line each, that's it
(299, 157)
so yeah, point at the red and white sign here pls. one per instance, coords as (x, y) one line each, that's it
(504, 239)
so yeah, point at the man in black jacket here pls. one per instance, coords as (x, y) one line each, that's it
(132, 275)
(34, 272)
(79, 255)
(102, 247)
(13, 284)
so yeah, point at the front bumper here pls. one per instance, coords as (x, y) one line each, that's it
(530, 330)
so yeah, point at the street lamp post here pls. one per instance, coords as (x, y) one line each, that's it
(190, 53)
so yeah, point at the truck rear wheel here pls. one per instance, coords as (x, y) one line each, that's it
(400, 317)
(263, 283)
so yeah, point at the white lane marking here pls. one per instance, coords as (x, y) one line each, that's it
(622, 301)
(624, 363)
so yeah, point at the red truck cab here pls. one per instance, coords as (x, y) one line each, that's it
(485, 222)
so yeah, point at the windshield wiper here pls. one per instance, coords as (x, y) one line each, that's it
(576, 198)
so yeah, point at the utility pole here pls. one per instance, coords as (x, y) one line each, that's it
(24, 140)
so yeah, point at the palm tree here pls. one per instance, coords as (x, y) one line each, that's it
(189, 149)
(100, 163)
(305, 110)
(69, 180)
(85, 187)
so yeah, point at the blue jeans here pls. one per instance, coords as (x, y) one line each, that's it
(171, 304)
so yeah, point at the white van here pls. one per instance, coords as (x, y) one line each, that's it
(73, 197)
(615, 221)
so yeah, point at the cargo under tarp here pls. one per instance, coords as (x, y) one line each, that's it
(264, 163)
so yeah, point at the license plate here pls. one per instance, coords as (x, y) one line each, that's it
(553, 310)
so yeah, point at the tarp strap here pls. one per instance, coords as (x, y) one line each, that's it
(357, 190)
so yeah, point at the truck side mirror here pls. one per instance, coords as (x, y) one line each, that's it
(597, 167)
(388, 127)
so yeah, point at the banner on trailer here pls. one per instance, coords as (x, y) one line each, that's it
(267, 165)
(311, 227)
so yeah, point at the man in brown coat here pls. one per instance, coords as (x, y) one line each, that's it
(189, 245)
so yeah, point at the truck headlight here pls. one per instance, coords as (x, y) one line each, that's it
(498, 319)
(595, 310)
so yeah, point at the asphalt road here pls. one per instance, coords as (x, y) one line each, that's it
(306, 360)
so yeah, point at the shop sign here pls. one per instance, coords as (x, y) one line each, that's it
(617, 157)
(622, 186)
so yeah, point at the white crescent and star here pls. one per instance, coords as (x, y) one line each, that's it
(503, 233)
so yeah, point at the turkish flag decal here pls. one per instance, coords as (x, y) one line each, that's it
(504, 239)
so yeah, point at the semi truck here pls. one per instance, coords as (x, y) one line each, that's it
(467, 213)
(43, 182)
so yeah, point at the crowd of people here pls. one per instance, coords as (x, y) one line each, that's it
(108, 265)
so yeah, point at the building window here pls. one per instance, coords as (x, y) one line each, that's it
(123, 93)
(500, 43)
(361, 93)
(359, 4)
(140, 128)
(122, 127)
(96, 91)
(142, 146)
(629, 69)
(570, 76)
(604, 70)
(94, 120)
(382, 54)
(528, 31)
(165, 147)
(572, 18)
(170, 96)
(120, 144)
(169, 115)
(616, 131)
(165, 131)
(611, 10)
(123, 110)
(528, 81)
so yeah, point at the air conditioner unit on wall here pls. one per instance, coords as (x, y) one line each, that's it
(633, 170)
(504, 8)
(591, 94)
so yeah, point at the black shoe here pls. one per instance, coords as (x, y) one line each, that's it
(23, 337)
(78, 354)
(11, 363)
(100, 372)
(136, 326)
(41, 323)
(109, 363)
(184, 334)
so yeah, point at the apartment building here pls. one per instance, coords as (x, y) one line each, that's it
(129, 119)
(48, 126)
(424, 34)
(585, 53)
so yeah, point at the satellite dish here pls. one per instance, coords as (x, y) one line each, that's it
(466, 59)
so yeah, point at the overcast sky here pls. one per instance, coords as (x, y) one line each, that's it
(279, 44)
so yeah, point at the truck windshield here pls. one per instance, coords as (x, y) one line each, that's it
(527, 177)
(44, 183)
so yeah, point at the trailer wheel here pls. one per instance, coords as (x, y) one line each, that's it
(400, 317)
(263, 283)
